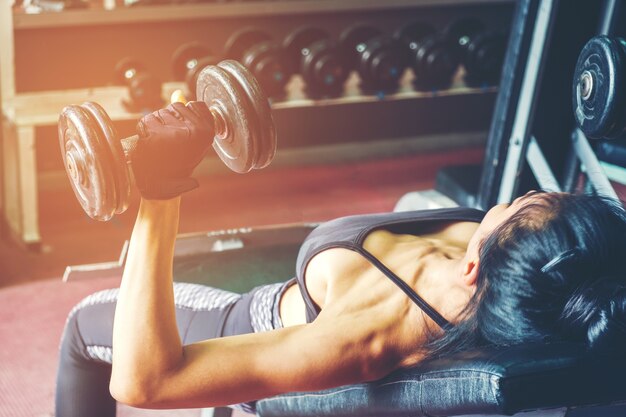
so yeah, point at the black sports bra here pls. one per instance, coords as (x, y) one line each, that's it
(350, 233)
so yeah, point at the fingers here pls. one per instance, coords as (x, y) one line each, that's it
(171, 116)
(195, 113)
(200, 109)
(177, 96)
(147, 122)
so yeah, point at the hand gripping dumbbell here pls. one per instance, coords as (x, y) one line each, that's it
(143, 88)
(599, 88)
(380, 60)
(262, 56)
(187, 63)
(322, 64)
(96, 159)
(431, 55)
(481, 50)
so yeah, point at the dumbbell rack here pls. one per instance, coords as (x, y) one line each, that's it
(27, 111)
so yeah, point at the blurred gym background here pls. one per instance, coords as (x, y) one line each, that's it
(372, 99)
(356, 129)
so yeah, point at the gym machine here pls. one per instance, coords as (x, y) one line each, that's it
(526, 148)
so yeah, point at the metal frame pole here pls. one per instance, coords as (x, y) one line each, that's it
(522, 124)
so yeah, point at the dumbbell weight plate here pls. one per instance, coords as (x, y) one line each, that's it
(412, 33)
(240, 129)
(352, 37)
(266, 61)
(325, 68)
(191, 78)
(484, 58)
(382, 64)
(87, 163)
(598, 92)
(115, 154)
(461, 31)
(242, 40)
(265, 132)
(435, 63)
(298, 40)
(126, 69)
(186, 58)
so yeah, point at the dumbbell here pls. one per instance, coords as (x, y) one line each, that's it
(96, 159)
(187, 63)
(431, 55)
(262, 56)
(143, 88)
(322, 64)
(599, 88)
(481, 50)
(380, 60)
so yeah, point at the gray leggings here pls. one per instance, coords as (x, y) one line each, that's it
(202, 313)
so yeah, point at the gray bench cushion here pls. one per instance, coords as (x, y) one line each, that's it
(483, 381)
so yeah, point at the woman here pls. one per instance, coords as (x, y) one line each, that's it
(372, 294)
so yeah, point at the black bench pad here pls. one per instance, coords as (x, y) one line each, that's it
(484, 381)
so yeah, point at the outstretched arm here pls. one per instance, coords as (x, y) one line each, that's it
(152, 369)
(146, 344)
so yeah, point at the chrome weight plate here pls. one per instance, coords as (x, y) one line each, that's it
(234, 119)
(82, 150)
(264, 130)
(187, 57)
(113, 145)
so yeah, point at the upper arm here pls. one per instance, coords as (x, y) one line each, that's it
(247, 367)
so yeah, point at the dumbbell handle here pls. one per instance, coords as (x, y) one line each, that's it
(219, 121)
(221, 127)
(129, 144)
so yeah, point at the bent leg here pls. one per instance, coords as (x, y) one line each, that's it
(85, 355)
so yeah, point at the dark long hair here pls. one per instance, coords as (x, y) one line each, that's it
(556, 270)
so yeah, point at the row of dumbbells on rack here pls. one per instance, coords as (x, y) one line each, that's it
(324, 64)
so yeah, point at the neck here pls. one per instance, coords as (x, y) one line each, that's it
(439, 283)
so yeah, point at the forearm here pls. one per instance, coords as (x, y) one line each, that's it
(146, 344)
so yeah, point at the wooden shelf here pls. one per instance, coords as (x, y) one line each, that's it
(43, 108)
(239, 9)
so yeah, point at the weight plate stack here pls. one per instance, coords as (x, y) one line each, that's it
(599, 96)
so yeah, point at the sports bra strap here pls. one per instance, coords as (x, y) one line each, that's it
(421, 303)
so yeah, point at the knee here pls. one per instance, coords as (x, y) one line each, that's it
(89, 328)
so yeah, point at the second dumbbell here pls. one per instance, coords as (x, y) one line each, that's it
(321, 63)
(380, 60)
(481, 50)
(143, 88)
(187, 63)
(262, 56)
(431, 55)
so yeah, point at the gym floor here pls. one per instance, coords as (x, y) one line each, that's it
(34, 302)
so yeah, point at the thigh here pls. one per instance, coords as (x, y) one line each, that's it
(200, 314)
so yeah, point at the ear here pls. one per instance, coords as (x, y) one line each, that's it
(469, 272)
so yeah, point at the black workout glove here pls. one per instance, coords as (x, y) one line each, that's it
(172, 142)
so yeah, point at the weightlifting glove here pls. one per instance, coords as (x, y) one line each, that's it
(172, 142)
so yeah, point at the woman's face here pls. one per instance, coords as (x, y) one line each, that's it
(497, 215)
